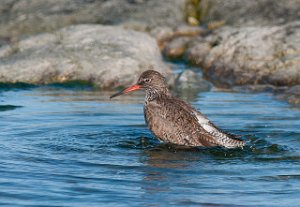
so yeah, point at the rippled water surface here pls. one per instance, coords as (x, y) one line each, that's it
(66, 147)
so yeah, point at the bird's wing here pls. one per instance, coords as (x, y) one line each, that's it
(171, 121)
(220, 137)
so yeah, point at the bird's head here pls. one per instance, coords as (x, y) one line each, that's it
(150, 81)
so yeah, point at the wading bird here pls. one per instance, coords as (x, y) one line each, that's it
(174, 121)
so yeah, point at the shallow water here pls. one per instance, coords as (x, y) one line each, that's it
(73, 147)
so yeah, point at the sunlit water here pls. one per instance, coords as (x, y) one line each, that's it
(66, 147)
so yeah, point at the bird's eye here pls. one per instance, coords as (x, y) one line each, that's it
(147, 80)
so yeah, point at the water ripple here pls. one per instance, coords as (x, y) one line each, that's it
(76, 148)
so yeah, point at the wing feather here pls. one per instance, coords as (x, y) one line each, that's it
(177, 122)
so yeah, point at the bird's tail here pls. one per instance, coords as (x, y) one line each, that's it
(233, 143)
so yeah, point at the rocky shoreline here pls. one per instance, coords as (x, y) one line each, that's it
(246, 56)
(259, 50)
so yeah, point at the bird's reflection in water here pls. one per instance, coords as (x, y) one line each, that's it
(174, 173)
(165, 165)
(169, 156)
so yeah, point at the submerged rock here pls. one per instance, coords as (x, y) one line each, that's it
(106, 56)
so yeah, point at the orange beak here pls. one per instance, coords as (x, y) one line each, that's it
(127, 90)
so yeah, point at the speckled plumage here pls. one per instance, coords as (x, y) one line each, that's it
(174, 121)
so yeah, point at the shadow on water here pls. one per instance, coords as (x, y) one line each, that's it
(74, 85)
(8, 107)
(15, 86)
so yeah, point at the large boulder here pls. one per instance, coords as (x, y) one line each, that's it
(107, 56)
(19, 17)
(250, 55)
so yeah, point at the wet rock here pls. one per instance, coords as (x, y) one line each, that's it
(258, 88)
(250, 55)
(19, 17)
(188, 84)
(292, 95)
(254, 12)
(106, 56)
(189, 79)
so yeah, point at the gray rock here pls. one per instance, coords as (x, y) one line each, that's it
(107, 56)
(162, 33)
(19, 17)
(253, 12)
(174, 43)
(189, 80)
(176, 47)
(250, 55)
(197, 52)
(188, 84)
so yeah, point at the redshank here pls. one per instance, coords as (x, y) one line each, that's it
(174, 121)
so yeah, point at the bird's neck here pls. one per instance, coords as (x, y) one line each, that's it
(154, 94)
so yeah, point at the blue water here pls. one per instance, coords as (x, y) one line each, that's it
(75, 147)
